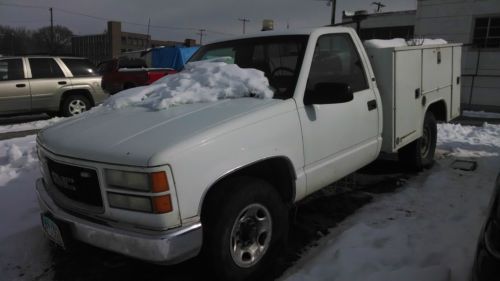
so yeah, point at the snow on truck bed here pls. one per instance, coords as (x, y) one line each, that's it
(400, 42)
(202, 81)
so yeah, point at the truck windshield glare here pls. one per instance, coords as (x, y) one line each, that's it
(279, 57)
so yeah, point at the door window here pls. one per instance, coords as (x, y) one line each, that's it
(45, 68)
(11, 69)
(336, 60)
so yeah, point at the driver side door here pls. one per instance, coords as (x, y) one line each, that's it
(339, 137)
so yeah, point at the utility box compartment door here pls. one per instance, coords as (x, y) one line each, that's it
(407, 96)
(437, 69)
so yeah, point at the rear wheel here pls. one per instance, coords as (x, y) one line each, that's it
(245, 228)
(420, 153)
(74, 105)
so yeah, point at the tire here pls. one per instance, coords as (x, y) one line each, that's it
(420, 153)
(74, 105)
(244, 214)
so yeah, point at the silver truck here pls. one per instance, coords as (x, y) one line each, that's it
(56, 85)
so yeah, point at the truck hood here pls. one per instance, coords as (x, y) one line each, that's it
(132, 136)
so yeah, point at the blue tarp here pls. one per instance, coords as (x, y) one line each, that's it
(172, 57)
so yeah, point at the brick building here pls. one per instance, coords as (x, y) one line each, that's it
(115, 42)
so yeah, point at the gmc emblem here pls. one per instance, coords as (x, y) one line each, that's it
(64, 182)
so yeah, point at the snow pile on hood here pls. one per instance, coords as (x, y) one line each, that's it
(203, 81)
(400, 42)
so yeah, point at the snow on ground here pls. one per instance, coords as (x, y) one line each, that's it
(33, 125)
(426, 230)
(24, 250)
(193, 84)
(481, 114)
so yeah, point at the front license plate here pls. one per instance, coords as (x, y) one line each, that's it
(52, 230)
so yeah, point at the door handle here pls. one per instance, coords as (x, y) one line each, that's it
(20, 85)
(372, 105)
(417, 93)
(61, 82)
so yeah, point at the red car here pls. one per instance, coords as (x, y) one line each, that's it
(125, 73)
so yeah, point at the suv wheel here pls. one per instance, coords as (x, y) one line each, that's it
(74, 105)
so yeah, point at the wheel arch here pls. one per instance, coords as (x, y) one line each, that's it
(84, 92)
(438, 109)
(278, 171)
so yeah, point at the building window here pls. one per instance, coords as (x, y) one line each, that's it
(487, 32)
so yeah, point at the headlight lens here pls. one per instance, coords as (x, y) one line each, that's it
(128, 202)
(129, 180)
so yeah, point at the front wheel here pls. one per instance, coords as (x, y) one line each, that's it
(420, 153)
(244, 229)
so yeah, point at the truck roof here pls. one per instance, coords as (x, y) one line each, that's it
(300, 31)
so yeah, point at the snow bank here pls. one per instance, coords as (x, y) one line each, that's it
(400, 42)
(16, 156)
(30, 125)
(202, 81)
(481, 114)
(25, 252)
(426, 231)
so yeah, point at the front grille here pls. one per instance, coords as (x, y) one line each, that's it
(77, 183)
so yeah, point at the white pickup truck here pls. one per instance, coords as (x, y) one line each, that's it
(218, 178)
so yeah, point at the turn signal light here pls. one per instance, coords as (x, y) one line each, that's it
(159, 182)
(162, 204)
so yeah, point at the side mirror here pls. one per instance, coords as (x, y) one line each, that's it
(329, 93)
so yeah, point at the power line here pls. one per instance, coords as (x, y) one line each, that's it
(107, 19)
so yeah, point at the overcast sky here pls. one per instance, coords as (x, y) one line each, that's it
(219, 17)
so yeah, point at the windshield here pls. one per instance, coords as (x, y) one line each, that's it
(279, 57)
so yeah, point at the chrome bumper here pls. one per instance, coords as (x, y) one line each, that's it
(168, 247)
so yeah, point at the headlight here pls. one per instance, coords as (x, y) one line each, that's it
(135, 203)
(153, 182)
(157, 204)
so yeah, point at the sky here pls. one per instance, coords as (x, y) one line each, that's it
(183, 17)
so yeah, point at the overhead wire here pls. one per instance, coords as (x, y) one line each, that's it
(107, 19)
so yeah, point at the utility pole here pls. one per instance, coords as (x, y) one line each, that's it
(201, 33)
(244, 20)
(334, 7)
(379, 5)
(332, 3)
(51, 31)
(149, 37)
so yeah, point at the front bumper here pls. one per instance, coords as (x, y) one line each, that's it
(168, 247)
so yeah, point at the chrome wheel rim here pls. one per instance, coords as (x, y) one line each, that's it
(77, 107)
(251, 235)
